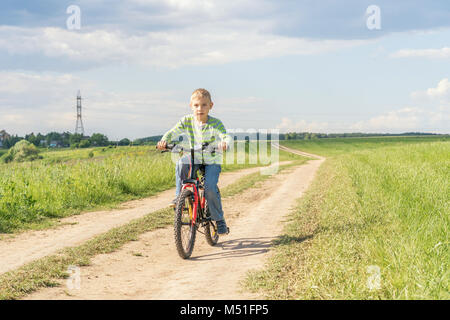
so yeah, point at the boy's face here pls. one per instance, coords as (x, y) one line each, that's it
(200, 107)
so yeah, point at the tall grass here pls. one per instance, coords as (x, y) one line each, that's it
(384, 209)
(31, 192)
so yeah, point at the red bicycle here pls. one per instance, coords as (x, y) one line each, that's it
(191, 209)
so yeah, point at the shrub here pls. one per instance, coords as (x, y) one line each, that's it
(22, 151)
(85, 144)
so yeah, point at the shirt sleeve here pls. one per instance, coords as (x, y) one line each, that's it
(176, 131)
(224, 136)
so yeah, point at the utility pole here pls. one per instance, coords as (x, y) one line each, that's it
(79, 127)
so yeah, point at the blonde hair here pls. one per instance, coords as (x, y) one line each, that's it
(201, 93)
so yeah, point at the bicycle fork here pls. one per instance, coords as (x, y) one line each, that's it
(193, 212)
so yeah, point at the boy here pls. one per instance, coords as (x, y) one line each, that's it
(200, 127)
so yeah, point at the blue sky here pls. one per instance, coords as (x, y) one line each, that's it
(287, 65)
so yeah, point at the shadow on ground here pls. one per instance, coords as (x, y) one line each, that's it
(248, 247)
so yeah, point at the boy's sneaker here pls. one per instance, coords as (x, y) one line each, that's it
(173, 203)
(222, 228)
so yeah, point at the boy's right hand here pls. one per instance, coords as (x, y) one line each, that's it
(161, 145)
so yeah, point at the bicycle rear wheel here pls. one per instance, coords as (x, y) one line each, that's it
(211, 235)
(184, 231)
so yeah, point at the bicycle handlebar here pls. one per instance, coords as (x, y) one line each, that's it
(174, 147)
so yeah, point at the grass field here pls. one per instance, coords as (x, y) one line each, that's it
(337, 146)
(66, 182)
(374, 224)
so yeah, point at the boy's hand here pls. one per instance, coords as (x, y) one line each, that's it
(222, 146)
(161, 145)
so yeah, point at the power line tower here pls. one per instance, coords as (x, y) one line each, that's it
(79, 127)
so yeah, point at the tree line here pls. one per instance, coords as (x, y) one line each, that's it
(311, 135)
(75, 140)
(66, 140)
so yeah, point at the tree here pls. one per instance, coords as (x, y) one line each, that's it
(53, 136)
(9, 143)
(65, 139)
(75, 138)
(124, 142)
(84, 144)
(39, 138)
(98, 139)
(32, 139)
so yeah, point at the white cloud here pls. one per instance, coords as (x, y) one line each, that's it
(288, 125)
(443, 53)
(439, 94)
(407, 119)
(22, 82)
(213, 43)
(403, 119)
(197, 11)
(442, 89)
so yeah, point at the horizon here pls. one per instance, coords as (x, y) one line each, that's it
(238, 134)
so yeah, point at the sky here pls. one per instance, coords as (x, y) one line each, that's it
(379, 66)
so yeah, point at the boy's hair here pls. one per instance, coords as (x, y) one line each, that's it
(201, 93)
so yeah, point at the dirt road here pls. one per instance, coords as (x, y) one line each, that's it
(151, 268)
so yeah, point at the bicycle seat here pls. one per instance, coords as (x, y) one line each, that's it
(189, 181)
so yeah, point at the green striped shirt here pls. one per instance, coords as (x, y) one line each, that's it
(212, 132)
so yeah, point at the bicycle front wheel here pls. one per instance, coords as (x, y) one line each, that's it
(185, 232)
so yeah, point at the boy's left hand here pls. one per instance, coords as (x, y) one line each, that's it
(222, 146)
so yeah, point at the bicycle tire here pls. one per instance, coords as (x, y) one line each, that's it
(183, 226)
(211, 235)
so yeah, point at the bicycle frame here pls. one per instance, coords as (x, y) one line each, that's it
(197, 212)
(197, 198)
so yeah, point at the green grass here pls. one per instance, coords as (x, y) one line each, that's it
(52, 156)
(386, 207)
(33, 192)
(337, 146)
